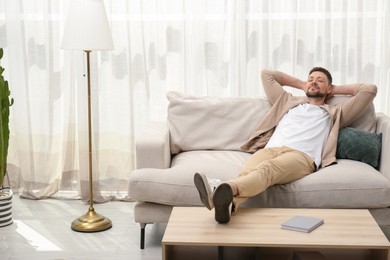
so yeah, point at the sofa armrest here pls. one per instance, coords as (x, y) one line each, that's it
(383, 126)
(152, 148)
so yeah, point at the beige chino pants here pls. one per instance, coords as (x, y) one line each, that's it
(270, 166)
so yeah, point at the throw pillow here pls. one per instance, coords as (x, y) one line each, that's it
(359, 145)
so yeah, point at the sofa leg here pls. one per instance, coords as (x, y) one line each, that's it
(142, 242)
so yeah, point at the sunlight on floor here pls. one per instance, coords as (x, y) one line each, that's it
(39, 242)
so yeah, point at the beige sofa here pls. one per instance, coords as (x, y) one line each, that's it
(203, 134)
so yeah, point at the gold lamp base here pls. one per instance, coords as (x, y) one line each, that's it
(91, 222)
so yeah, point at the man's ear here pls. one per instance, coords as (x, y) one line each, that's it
(330, 89)
(329, 92)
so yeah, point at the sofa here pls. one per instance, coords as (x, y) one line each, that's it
(204, 134)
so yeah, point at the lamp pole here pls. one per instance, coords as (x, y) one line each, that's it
(87, 29)
(91, 221)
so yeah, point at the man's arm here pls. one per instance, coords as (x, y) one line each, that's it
(362, 96)
(273, 82)
(346, 89)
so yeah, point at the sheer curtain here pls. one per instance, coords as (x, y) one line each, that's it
(209, 47)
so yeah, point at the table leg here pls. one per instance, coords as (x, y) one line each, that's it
(258, 253)
(380, 254)
(220, 252)
(167, 251)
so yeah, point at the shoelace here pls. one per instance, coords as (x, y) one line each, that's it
(213, 183)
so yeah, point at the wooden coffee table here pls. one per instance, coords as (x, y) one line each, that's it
(345, 231)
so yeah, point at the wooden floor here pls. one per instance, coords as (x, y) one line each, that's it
(41, 230)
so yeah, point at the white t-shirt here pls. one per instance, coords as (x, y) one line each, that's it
(305, 128)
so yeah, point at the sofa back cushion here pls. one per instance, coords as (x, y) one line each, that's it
(225, 123)
(212, 123)
(367, 119)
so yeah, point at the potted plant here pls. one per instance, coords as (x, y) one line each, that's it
(5, 192)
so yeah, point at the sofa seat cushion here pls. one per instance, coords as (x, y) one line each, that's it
(348, 184)
(175, 185)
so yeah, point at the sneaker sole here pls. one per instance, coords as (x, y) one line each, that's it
(223, 197)
(203, 188)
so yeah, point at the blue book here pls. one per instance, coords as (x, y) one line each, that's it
(303, 223)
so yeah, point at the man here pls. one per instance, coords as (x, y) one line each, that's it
(297, 137)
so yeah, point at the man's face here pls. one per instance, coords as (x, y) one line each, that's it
(317, 85)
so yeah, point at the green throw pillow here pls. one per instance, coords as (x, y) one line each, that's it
(359, 145)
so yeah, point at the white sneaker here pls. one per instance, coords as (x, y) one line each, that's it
(213, 183)
(223, 201)
(205, 187)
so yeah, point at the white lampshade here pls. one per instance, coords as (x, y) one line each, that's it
(87, 27)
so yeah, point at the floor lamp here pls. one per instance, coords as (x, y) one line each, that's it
(87, 29)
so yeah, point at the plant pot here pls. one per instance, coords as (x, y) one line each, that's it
(5, 206)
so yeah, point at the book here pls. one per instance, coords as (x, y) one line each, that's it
(302, 223)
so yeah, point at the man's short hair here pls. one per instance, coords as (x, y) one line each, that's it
(323, 70)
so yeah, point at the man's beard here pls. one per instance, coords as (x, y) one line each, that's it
(316, 94)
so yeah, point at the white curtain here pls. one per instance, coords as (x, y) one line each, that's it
(200, 47)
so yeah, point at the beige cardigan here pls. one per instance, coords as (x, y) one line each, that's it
(342, 114)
